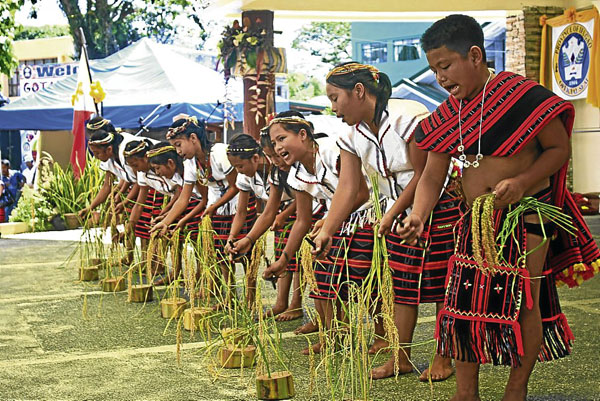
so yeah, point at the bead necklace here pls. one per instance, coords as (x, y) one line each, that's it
(461, 147)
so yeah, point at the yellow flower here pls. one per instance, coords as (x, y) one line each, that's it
(97, 92)
(78, 92)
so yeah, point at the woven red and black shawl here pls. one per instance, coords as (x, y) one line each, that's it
(515, 111)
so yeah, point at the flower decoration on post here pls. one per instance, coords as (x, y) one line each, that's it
(241, 46)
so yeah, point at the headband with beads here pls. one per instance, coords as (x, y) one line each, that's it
(255, 149)
(143, 145)
(159, 151)
(352, 67)
(105, 141)
(173, 132)
(97, 125)
(290, 120)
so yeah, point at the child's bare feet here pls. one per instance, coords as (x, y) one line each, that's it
(275, 310)
(306, 328)
(387, 370)
(316, 349)
(290, 314)
(441, 369)
(379, 345)
(515, 394)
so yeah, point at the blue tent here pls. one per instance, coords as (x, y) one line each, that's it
(136, 80)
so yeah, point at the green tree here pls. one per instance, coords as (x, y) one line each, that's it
(328, 40)
(110, 25)
(303, 88)
(37, 32)
(8, 62)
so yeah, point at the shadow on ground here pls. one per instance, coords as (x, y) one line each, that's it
(50, 350)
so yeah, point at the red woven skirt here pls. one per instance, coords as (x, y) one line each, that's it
(480, 319)
(221, 224)
(350, 263)
(192, 227)
(150, 209)
(419, 274)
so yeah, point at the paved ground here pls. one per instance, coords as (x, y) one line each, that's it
(50, 350)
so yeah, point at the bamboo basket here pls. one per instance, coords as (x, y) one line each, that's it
(234, 336)
(199, 314)
(113, 284)
(172, 307)
(140, 293)
(279, 386)
(233, 357)
(72, 220)
(88, 273)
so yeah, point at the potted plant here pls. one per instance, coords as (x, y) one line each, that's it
(273, 379)
(206, 264)
(64, 192)
(140, 292)
(172, 305)
(114, 280)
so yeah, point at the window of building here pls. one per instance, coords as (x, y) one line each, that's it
(495, 53)
(407, 49)
(374, 52)
(13, 83)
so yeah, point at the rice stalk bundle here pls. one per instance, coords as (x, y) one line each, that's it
(256, 257)
(207, 258)
(306, 264)
(381, 273)
(482, 232)
(175, 250)
(544, 212)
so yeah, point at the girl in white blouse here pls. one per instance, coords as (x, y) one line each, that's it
(379, 141)
(314, 175)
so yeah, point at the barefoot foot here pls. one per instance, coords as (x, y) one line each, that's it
(316, 349)
(387, 370)
(289, 315)
(515, 394)
(379, 345)
(275, 310)
(441, 369)
(307, 328)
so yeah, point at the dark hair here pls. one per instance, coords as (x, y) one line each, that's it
(101, 123)
(380, 87)
(295, 127)
(282, 175)
(457, 32)
(188, 126)
(243, 146)
(101, 135)
(265, 139)
(164, 157)
(142, 149)
(265, 142)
